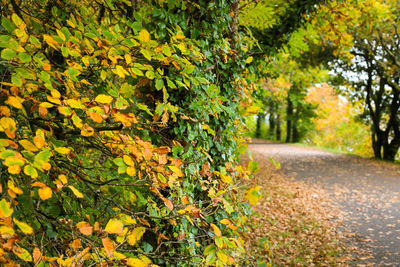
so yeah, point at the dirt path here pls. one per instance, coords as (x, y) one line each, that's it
(366, 191)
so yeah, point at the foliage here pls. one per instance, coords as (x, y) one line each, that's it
(336, 123)
(367, 57)
(119, 133)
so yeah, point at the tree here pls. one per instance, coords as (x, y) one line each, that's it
(367, 52)
(119, 133)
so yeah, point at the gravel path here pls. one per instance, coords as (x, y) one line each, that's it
(366, 191)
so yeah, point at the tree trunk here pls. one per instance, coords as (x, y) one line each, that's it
(278, 128)
(295, 134)
(376, 143)
(260, 120)
(390, 150)
(272, 121)
(289, 118)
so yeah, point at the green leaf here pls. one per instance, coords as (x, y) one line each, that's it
(30, 171)
(209, 249)
(7, 24)
(8, 54)
(16, 80)
(25, 57)
(119, 162)
(5, 209)
(43, 156)
(159, 84)
(137, 71)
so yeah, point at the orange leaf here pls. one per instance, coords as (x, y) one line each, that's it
(76, 244)
(36, 255)
(45, 192)
(168, 203)
(85, 228)
(96, 117)
(108, 246)
(38, 141)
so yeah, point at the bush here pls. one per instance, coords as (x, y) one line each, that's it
(119, 133)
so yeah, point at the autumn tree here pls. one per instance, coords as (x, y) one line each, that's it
(366, 41)
(119, 133)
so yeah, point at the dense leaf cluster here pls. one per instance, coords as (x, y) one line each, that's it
(119, 133)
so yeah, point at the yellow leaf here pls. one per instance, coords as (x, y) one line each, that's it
(114, 226)
(14, 169)
(131, 171)
(144, 36)
(25, 228)
(249, 60)
(108, 246)
(45, 192)
(15, 101)
(136, 234)
(74, 103)
(128, 59)
(180, 36)
(63, 178)
(104, 99)
(222, 256)
(225, 221)
(85, 228)
(253, 195)
(216, 230)
(62, 150)
(119, 70)
(12, 186)
(22, 253)
(176, 171)
(75, 191)
(54, 93)
(128, 160)
(226, 178)
(6, 232)
(28, 145)
(135, 262)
